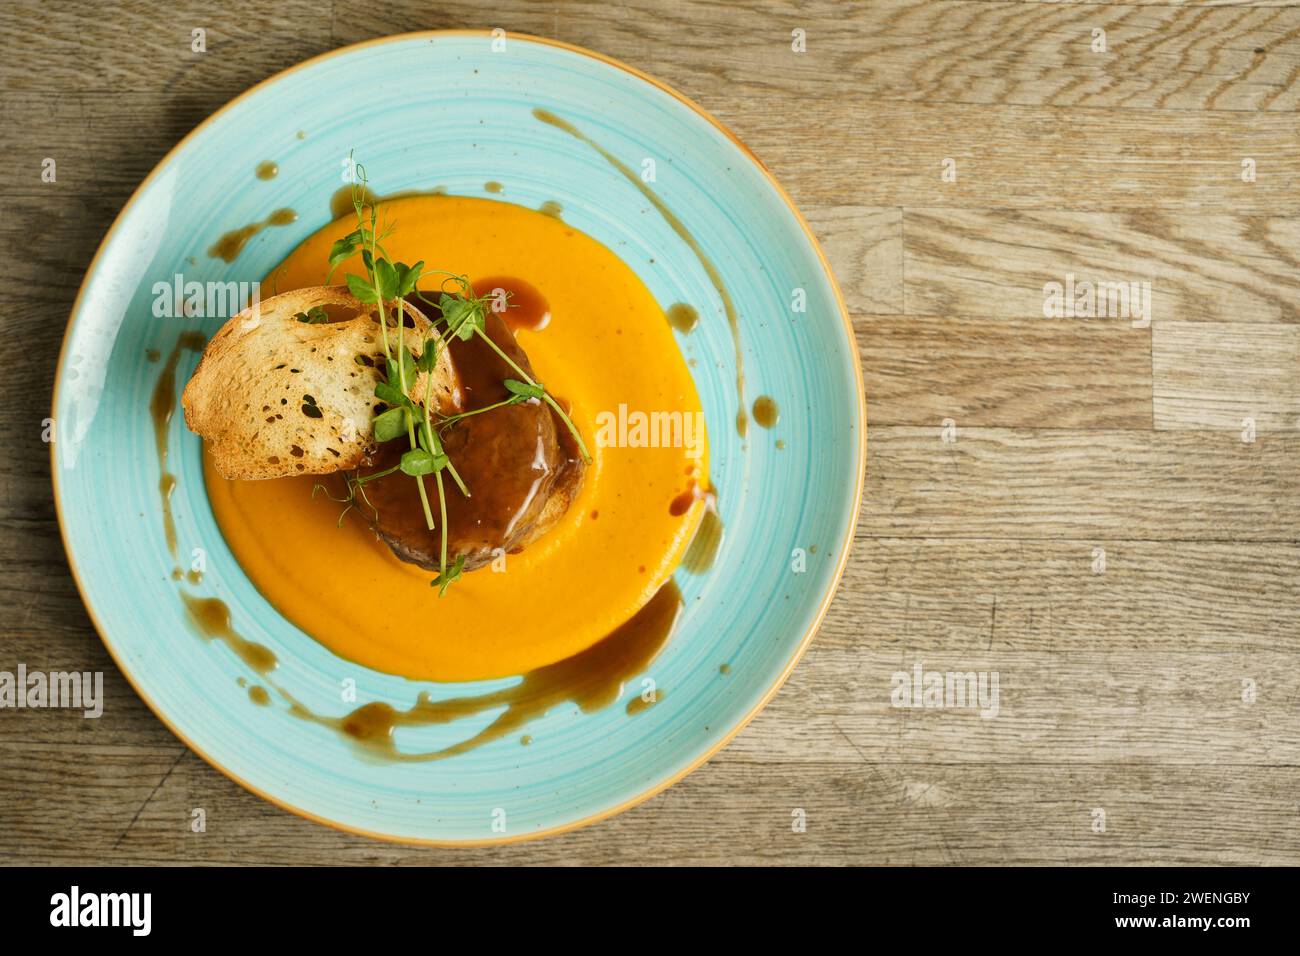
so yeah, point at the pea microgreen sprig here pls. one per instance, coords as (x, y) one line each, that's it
(463, 314)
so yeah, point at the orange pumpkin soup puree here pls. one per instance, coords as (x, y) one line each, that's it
(607, 344)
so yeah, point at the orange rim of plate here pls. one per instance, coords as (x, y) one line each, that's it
(845, 547)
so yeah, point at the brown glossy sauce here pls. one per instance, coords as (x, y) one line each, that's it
(733, 320)
(211, 618)
(341, 201)
(510, 459)
(693, 493)
(683, 317)
(593, 680)
(162, 405)
(493, 186)
(551, 208)
(682, 503)
(724, 669)
(703, 549)
(231, 244)
(267, 170)
(639, 704)
(766, 412)
(527, 308)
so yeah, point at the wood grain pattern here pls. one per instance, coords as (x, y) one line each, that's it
(1074, 483)
(1120, 688)
(924, 51)
(1219, 375)
(1037, 373)
(928, 595)
(893, 154)
(1179, 708)
(1222, 268)
(865, 248)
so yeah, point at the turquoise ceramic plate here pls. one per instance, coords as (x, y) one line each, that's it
(449, 109)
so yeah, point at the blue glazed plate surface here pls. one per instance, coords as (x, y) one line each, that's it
(444, 109)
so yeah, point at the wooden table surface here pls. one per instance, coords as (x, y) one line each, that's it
(1161, 693)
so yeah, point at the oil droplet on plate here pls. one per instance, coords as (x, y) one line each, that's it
(592, 679)
(703, 549)
(230, 245)
(715, 277)
(683, 317)
(162, 405)
(639, 704)
(766, 411)
(211, 617)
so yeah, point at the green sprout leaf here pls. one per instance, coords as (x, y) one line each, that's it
(390, 394)
(316, 315)
(406, 373)
(344, 249)
(525, 390)
(390, 425)
(452, 574)
(385, 279)
(429, 356)
(362, 289)
(407, 277)
(418, 461)
(462, 316)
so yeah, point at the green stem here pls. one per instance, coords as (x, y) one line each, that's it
(383, 318)
(377, 474)
(424, 500)
(442, 507)
(437, 450)
(453, 419)
(401, 328)
(456, 476)
(410, 422)
(573, 429)
(582, 447)
(432, 436)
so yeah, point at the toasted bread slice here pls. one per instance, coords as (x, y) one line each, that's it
(280, 393)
